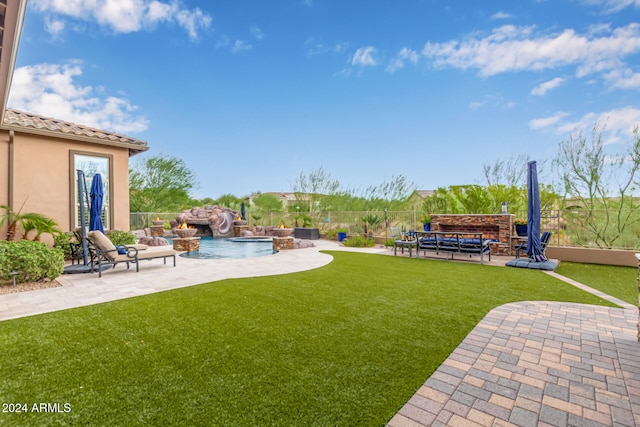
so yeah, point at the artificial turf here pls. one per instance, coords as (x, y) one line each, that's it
(345, 344)
(618, 281)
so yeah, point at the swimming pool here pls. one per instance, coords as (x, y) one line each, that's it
(218, 248)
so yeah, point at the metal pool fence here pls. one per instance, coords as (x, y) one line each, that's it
(571, 227)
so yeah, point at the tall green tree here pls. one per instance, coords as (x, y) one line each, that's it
(229, 201)
(268, 203)
(160, 184)
(478, 199)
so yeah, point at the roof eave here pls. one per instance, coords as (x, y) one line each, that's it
(13, 22)
(133, 148)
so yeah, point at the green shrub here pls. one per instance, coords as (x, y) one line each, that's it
(331, 235)
(62, 241)
(33, 261)
(359, 242)
(122, 237)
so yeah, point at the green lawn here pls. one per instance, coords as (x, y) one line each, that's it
(620, 282)
(345, 344)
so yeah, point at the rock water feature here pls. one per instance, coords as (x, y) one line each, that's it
(213, 221)
(217, 221)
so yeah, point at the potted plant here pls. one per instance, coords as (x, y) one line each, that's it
(521, 226)
(426, 221)
(342, 234)
(371, 221)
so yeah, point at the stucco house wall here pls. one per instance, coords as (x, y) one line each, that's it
(38, 154)
(37, 167)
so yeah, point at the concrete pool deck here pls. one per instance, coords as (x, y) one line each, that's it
(524, 364)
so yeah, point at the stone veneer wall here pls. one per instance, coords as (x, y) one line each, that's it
(498, 227)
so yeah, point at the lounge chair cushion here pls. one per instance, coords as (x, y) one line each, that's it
(151, 253)
(102, 241)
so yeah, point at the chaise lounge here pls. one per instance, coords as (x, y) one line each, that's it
(104, 252)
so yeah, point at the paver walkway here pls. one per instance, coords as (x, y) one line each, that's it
(525, 364)
(537, 364)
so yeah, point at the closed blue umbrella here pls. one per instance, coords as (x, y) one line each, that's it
(534, 246)
(95, 210)
(242, 211)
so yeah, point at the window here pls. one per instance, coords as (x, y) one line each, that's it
(90, 164)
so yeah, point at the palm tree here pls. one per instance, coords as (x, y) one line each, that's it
(27, 221)
(13, 218)
(39, 223)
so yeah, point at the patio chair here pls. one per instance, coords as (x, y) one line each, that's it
(396, 235)
(106, 253)
(544, 241)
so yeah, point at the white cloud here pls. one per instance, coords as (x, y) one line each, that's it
(223, 41)
(619, 123)
(623, 79)
(240, 45)
(475, 105)
(192, 21)
(403, 56)
(125, 16)
(613, 6)
(318, 46)
(257, 33)
(510, 49)
(547, 121)
(501, 15)
(543, 88)
(54, 27)
(365, 57)
(50, 90)
(492, 101)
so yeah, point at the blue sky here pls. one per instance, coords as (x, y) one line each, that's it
(252, 93)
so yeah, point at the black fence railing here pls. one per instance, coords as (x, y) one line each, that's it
(619, 230)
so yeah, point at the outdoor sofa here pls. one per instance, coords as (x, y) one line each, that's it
(104, 252)
(452, 242)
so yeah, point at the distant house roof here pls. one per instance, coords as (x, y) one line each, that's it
(424, 193)
(279, 194)
(32, 123)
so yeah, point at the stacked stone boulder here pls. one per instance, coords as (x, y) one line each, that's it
(217, 218)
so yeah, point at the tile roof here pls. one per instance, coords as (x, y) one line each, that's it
(15, 118)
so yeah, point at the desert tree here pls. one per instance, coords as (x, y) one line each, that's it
(600, 184)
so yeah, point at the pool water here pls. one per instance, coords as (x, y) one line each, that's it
(219, 248)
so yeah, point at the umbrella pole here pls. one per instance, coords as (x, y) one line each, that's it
(83, 232)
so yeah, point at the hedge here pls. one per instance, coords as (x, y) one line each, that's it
(33, 261)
